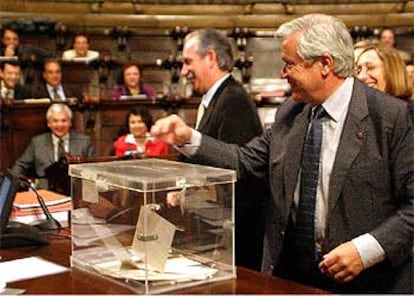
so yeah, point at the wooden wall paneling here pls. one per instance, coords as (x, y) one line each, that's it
(24, 123)
(103, 43)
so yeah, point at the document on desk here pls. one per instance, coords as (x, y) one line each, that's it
(28, 268)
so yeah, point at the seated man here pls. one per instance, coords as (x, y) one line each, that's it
(47, 148)
(10, 47)
(53, 87)
(10, 88)
(80, 49)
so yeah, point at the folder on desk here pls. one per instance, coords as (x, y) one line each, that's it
(26, 208)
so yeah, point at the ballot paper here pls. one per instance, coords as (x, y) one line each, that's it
(28, 268)
(153, 236)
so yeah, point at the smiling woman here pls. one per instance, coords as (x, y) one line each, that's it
(131, 84)
(137, 140)
(383, 69)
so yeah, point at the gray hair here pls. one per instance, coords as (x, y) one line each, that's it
(58, 108)
(322, 34)
(208, 39)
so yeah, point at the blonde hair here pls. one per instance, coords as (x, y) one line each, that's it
(396, 78)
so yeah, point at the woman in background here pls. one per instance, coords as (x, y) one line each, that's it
(131, 84)
(383, 68)
(137, 141)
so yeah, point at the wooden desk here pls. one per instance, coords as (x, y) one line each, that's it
(78, 282)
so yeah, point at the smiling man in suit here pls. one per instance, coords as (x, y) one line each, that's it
(10, 87)
(339, 160)
(47, 148)
(227, 113)
(53, 87)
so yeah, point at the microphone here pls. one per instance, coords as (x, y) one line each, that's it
(49, 223)
(132, 154)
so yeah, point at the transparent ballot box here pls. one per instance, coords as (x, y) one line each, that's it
(153, 225)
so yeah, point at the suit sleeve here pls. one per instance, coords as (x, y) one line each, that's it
(248, 160)
(396, 233)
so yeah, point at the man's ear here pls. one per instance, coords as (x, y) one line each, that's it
(212, 56)
(327, 63)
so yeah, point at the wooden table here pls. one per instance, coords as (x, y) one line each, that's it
(78, 282)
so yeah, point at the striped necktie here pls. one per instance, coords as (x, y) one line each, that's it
(61, 149)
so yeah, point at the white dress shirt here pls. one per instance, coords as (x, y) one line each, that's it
(71, 55)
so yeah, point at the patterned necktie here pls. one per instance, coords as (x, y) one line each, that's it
(305, 215)
(56, 95)
(61, 149)
(200, 113)
(9, 94)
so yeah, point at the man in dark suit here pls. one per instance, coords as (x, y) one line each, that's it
(10, 47)
(10, 87)
(53, 87)
(228, 115)
(47, 148)
(359, 232)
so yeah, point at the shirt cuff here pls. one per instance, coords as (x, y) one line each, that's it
(191, 148)
(369, 250)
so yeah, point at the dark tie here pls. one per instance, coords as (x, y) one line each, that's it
(305, 214)
(61, 148)
(56, 95)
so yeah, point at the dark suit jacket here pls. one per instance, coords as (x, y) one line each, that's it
(40, 154)
(40, 91)
(371, 187)
(21, 92)
(232, 117)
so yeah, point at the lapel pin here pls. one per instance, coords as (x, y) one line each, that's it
(360, 135)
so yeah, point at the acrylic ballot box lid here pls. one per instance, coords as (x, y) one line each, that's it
(153, 225)
(151, 174)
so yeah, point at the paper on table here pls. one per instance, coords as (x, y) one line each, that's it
(28, 268)
(89, 191)
(11, 291)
